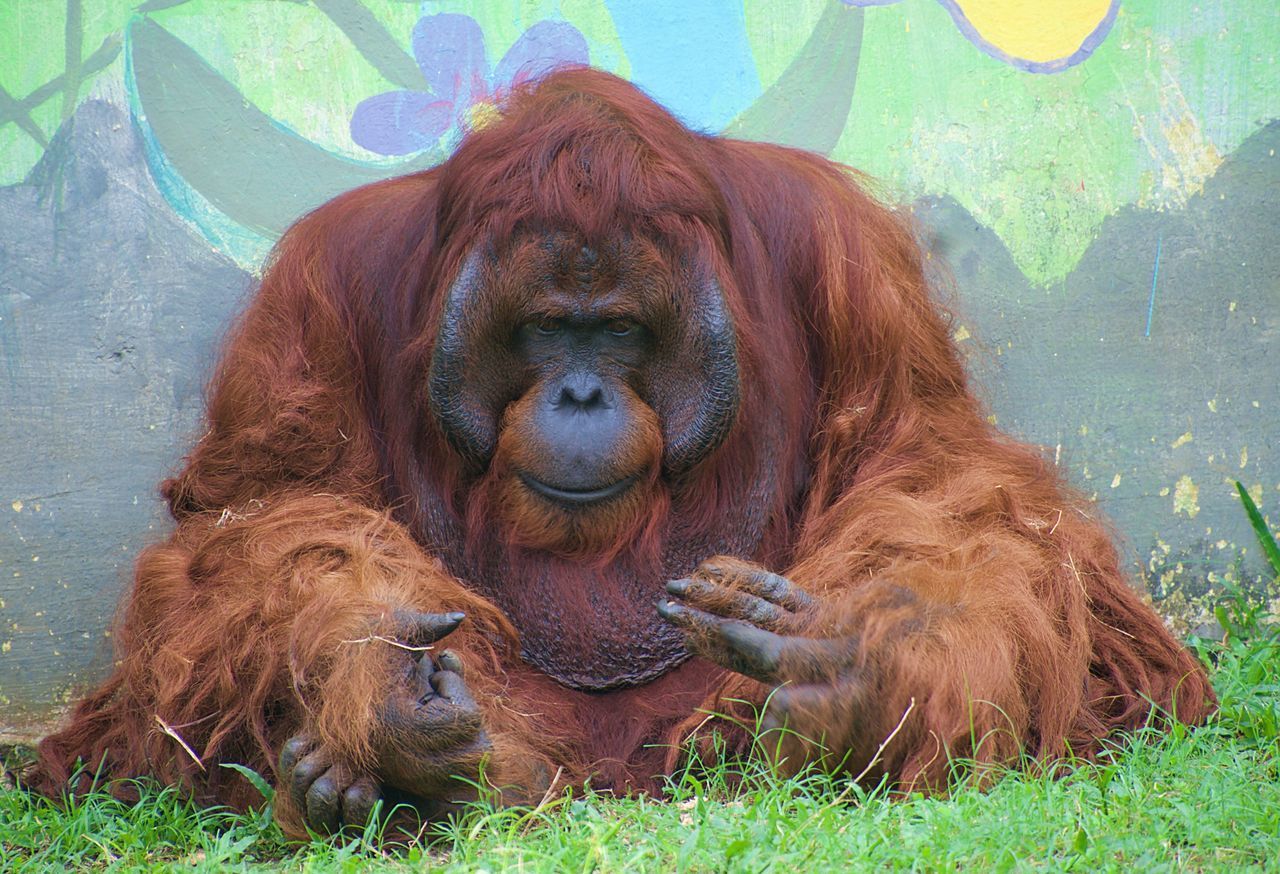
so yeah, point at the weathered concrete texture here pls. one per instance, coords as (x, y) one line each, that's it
(1157, 427)
(110, 312)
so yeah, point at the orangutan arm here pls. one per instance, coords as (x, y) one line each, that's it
(937, 640)
(301, 617)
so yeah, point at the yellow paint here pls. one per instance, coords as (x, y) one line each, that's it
(1115, 481)
(1195, 157)
(961, 334)
(1164, 492)
(1244, 456)
(1186, 495)
(1177, 144)
(1181, 441)
(17, 506)
(1035, 30)
(1231, 307)
(1213, 405)
(479, 116)
(1084, 430)
(6, 646)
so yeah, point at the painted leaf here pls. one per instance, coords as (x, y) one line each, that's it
(255, 170)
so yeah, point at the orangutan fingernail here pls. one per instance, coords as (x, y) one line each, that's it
(677, 587)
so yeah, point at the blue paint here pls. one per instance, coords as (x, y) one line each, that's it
(693, 58)
(1155, 275)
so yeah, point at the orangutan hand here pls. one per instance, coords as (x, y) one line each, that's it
(751, 621)
(430, 739)
(324, 789)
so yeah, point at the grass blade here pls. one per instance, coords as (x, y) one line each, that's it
(1268, 541)
(256, 779)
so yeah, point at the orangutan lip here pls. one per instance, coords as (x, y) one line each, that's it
(577, 497)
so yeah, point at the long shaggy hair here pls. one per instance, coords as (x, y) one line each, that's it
(983, 592)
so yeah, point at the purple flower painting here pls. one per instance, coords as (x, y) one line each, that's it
(450, 51)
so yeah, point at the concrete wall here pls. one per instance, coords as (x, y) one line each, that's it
(1101, 178)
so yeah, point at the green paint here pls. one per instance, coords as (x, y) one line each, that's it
(291, 61)
(1041, 159)
(33, 38)
(776, 39)
(808, 104)
(229, 147)
(374, 43)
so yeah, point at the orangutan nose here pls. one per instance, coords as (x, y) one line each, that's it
(582, 392)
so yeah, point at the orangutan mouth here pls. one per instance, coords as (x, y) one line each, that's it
(577, 497)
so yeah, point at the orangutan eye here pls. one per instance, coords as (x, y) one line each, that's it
(620, 327)
(547, 327)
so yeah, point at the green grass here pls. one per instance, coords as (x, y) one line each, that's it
(1207, 799)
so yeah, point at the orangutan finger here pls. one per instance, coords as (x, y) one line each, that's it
(759, 582)
(323, 801)
(420, 678)
(451, 686)
(423, 629)
(306, 772)
(796, 704)
(294, 749)
(359, 800)
(727, 642)
(731, 603)
(756, 652)
(450, 716)
(815, 659)
(450, 661)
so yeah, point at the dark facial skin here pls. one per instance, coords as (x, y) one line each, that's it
(583, 353)
(575, 342)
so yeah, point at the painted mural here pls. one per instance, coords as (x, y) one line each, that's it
(1096, 180)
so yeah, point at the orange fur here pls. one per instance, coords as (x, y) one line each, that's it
(984, 597)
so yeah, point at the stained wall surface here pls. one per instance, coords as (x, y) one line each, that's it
(1098, 176)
